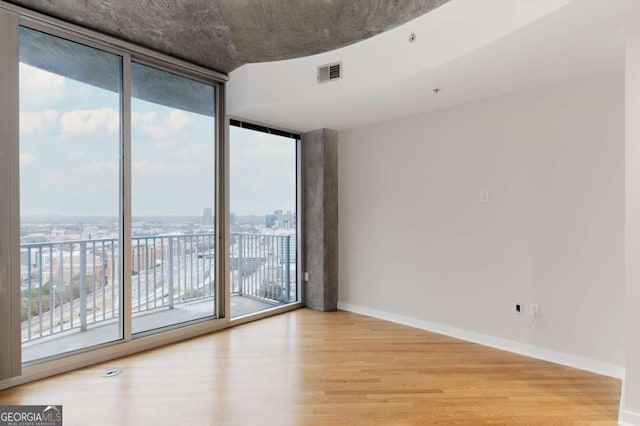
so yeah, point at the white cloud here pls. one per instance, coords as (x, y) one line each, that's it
(149, 167)
(34, 121)
(146, 118)
(271, 150)
(200, 152)
(195, 159)
(164, 145)
(98, 167)
(192, 160)
(179, 120)
(161, 128)
(74, 155)
(38, 87)
(89, 121)
(26, 159)
(55, 179)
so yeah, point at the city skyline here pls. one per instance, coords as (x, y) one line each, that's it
(190, 216)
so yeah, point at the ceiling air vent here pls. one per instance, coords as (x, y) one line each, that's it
(330, 72)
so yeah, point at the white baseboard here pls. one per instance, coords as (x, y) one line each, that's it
(569, 360)
(629, 418)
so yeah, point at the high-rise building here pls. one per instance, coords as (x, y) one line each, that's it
(280, 220)
(208, 217)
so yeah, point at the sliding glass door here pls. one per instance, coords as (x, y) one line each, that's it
(70, 195)
(121, 189)
(87, 179)
(173, 183)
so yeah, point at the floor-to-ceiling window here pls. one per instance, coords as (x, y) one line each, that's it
(263, 219)
(173, 199)
(123, 205)
(118, 183)
(70, 195)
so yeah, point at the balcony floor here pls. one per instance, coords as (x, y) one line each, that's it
(109, 331)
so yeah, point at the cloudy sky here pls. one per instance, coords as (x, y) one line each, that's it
(70, 159)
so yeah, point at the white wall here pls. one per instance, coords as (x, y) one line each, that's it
(416, 241)
(630, 413)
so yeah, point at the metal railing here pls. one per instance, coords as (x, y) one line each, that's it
(261, 266)
(76, 284)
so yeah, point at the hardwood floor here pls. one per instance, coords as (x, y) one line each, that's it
(306, 367)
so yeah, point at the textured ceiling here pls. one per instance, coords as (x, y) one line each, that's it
(225, 34)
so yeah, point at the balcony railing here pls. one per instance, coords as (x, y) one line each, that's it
(76, 284)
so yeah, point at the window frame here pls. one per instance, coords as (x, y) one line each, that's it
(128, 345)
(300, 264)
(220, 242)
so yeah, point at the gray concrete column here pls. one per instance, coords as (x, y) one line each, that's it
(320, 184)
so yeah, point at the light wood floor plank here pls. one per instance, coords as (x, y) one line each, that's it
(306, 367)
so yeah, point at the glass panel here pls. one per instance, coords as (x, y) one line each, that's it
(263, 220)
(70, 137)
(173, 199)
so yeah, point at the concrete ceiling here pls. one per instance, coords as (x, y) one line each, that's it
(224, 34)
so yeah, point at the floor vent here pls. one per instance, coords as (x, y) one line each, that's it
(330, 72)
(112, 372)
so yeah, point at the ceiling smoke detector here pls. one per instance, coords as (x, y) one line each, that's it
(412, 37)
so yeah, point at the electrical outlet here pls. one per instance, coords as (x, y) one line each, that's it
(517, 308)
(306, 276)
(534, 310)
(484, 196)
